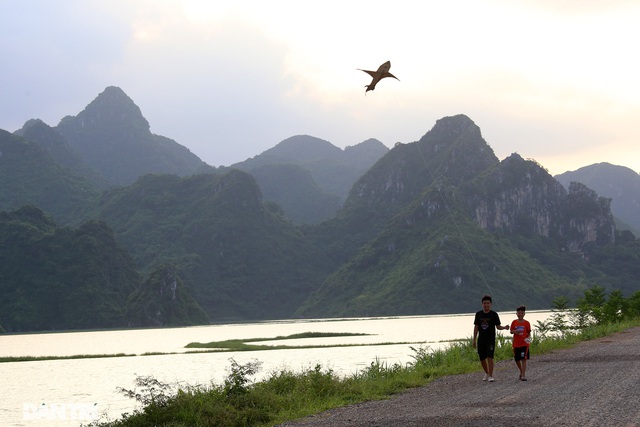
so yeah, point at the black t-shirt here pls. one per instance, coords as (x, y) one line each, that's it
(487, 323)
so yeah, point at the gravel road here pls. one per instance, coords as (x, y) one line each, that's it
(595, 383)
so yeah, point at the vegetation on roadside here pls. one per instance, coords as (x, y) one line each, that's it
(285, 395)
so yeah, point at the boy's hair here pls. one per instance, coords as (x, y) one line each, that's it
(487, 298)
(521, 308)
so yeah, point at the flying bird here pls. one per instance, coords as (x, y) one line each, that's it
(381, 73)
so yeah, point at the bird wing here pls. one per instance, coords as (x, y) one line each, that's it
(388, 74)
(371, 73)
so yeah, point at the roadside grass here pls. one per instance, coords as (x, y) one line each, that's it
(286, 395)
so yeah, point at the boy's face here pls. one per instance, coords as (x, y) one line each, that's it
(520, 314)
(486, 305)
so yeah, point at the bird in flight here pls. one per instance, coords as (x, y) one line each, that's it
(381, 73)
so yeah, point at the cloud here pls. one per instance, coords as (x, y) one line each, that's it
(232, 79)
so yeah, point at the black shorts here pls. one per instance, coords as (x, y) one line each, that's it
(521, 353)
(486, 349)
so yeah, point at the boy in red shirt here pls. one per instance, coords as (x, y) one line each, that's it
(521, 330)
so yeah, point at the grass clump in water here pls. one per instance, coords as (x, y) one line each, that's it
(241, 344)
(8, 359)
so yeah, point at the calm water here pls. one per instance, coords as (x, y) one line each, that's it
(72, 392)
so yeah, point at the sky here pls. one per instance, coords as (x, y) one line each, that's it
(554, 81)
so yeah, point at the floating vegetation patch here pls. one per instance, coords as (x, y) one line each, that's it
(224, 346)
(242, 344)
(77, 356)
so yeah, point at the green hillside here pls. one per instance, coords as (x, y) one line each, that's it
(30, 176)
(435, 263)
(56, 278)
(241, 256)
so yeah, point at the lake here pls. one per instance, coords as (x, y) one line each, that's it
(74, 391)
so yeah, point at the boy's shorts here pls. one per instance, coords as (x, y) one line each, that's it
(521, 353)
(485, 349)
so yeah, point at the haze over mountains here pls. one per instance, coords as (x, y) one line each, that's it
(157, 237)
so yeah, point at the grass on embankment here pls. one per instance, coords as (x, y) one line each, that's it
(286, 395)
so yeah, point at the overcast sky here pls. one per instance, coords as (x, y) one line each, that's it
(557, 81)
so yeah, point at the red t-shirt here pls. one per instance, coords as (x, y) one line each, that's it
(519, 339)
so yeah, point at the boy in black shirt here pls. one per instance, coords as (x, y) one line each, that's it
(484, 336)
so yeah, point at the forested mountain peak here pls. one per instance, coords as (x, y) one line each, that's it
(303, 148)
(110, 108)
(111, 136)
(455, 148)
(452, 151)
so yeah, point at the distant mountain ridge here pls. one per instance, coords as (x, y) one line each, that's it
(619, 183)
(308, 165)
(427, 228)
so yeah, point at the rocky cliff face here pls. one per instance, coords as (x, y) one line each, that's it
(588, 218)
(618, 182)
(519, 196)
(452, 152)
(452, 163)
(163, 301)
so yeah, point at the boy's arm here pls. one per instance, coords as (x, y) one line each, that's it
(475, 334)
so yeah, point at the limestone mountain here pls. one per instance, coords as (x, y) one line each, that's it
(521, 197)
(619, 183)
(438, 222)
(111, 136)
(333, 172)
(452, 152)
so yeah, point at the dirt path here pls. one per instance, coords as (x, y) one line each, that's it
(596, 383)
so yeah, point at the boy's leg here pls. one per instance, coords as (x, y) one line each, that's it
(519, 363)
(483, 362)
